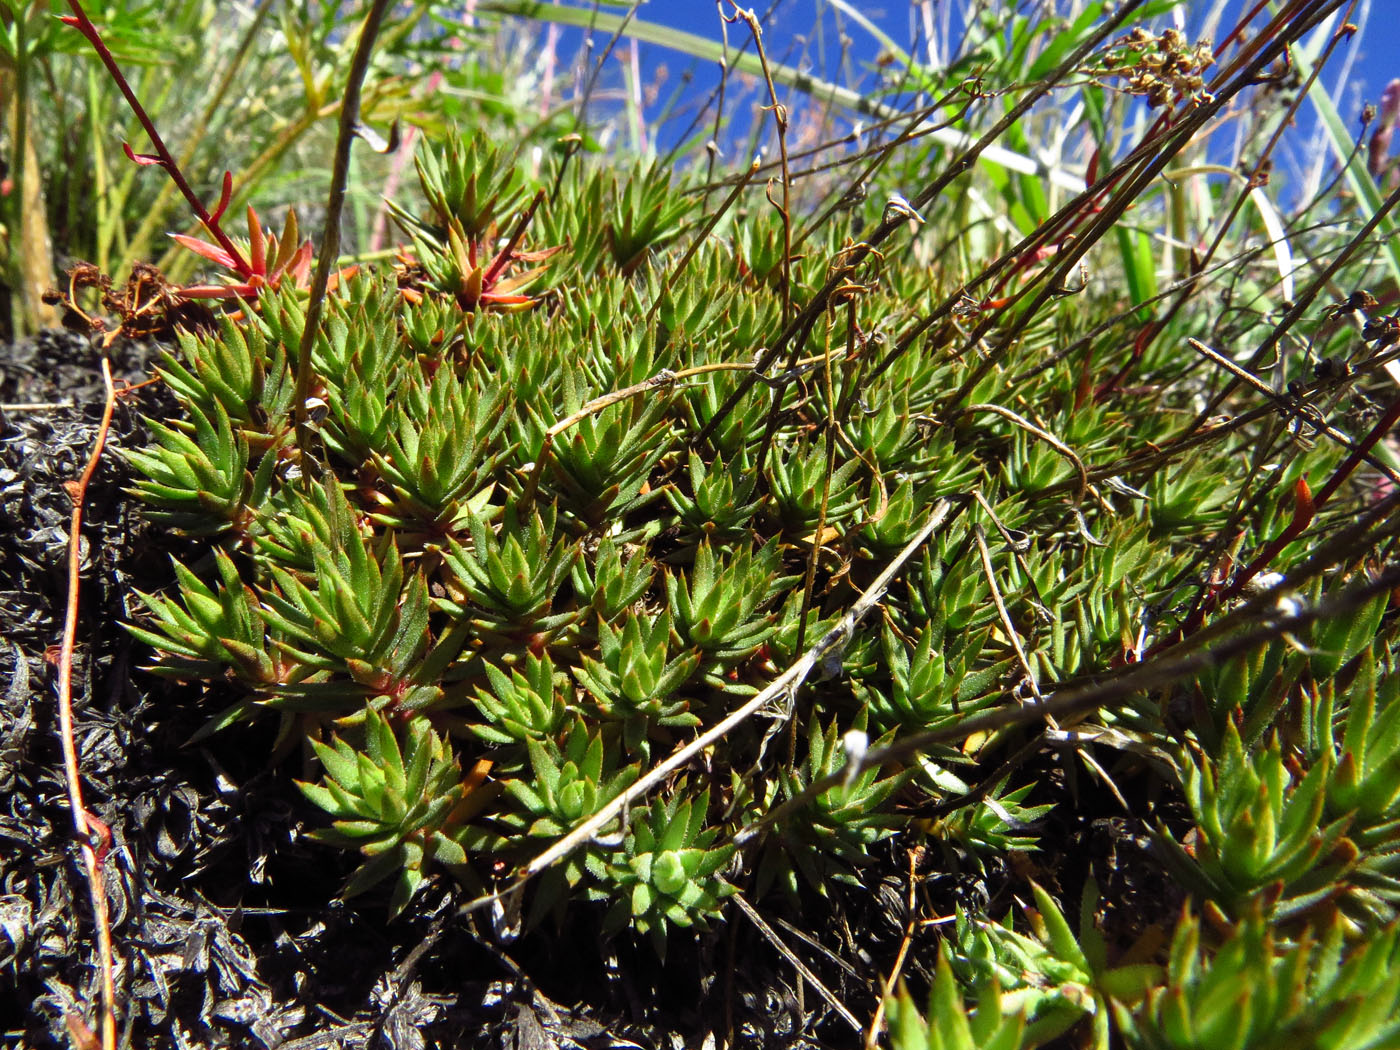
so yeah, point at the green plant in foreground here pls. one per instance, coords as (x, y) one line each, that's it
(467, 183)
(716, 608)
(438, 448)
(635, 683)
(948, 1026)
(668, 873)
(551, 546)
(1000, 824)
(833, 834)
(1257, 991)
(197, 479)
(208, 627)
(1261, 830)
(1364, 787)
(925, 692)
(613, 584)
(646, 214)
(569, 783)
(507, 586)
(722, 502)
(1366, 782)
(1057, 977)
(404, 805)
(520, 708)
(467, 188)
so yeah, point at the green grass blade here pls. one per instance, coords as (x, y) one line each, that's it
(1358, 178)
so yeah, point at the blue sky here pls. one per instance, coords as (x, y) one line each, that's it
(1377, 49)
(805, 31)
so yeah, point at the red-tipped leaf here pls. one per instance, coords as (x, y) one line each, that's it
(144, 159)
(286, 246)
(212, 252)
(217, 291)
(225, 194)
(257, 248)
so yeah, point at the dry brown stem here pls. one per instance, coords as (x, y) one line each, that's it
(85, 824)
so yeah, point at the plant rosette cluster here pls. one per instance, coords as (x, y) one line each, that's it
(553, 522)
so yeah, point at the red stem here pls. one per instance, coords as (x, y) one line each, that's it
(80, 21)
(84, 823)
(1304, 508)
(503, 257)
(1361, 451)
(1239, 28)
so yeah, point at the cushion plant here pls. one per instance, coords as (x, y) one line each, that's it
(596, 459)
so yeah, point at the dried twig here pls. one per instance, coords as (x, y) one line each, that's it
(35, 406)
(801, 967)
(85, 824)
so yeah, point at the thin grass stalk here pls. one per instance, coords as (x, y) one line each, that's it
(1053, 279)
(712, 147)
(1176, 305)
(619, 30)
(780, 122)
(101, 177)
(809, 583)
(815, 88)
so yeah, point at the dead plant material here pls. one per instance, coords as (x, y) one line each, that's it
(147, 306)
(95, 836)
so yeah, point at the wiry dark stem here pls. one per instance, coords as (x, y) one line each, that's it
(330, 238)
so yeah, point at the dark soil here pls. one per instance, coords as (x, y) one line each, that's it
(225, 917)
